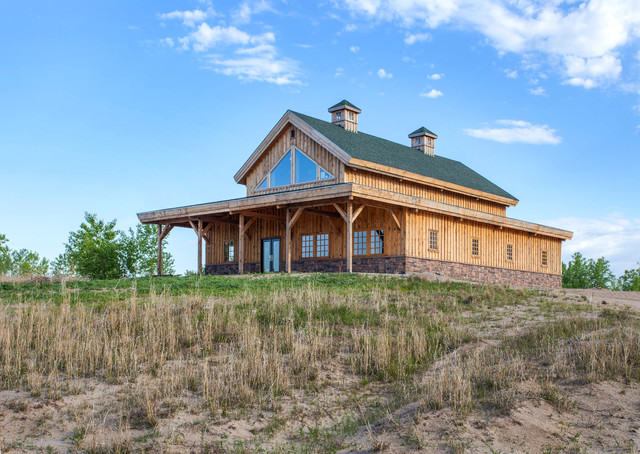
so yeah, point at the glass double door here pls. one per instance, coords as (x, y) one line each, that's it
(271, 255)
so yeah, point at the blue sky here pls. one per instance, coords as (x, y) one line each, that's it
(120, 107)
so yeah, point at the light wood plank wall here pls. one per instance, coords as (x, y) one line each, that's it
(392, 184)
(309, 224)
(279, 148)
(454, 243)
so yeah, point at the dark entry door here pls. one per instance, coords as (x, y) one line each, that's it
(271, 255)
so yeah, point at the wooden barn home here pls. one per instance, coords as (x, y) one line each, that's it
(323, 196)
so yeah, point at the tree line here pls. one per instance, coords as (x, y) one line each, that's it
(97, 250)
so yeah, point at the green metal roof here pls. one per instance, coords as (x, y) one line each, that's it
(344, 102)
(380, 151)
(421, 130)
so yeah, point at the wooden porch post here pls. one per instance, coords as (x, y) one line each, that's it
(200, 247)
(241, 244)
(287, 240)
(159, 249)
(349, 236)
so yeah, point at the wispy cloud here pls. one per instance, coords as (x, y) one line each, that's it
(511, 73)
(432, 94)
(417, 38)
(188, 18)
(382, 74)
(614, 237)
(435, 76)
(581, 40)
(354, 49)
(512, 131)
(247, 9)
(237, 53)
(538, 91)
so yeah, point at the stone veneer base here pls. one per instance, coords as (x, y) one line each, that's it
(400, 264)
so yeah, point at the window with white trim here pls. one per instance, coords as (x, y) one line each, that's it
(307, 246)
(377, 241)
(229, 252)
(322, 245)
(360, 243)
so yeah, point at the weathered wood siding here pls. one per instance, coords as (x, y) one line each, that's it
(376, 180)
(309, 224)
(454, 243)
(279, 147)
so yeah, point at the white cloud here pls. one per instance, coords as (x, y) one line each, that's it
(417, 38)
(591, 72)
(249, 57)
(513, 131)
(382, 74)
(244, 12)
(614, 237)
(432, 94)
(538, 91)
(188, 18)
(511, 73)
(566, 30)
(339, 72)
(435, 76)
(354, 49)
(206, 37)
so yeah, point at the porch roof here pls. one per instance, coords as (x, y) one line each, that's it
(327, 195)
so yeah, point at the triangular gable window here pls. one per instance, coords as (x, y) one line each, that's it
(294, 168)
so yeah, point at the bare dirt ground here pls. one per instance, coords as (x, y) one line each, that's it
(585, 417)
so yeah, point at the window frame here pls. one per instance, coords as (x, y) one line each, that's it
(371, 242)
(308, 248)
(544, 258)
(475, 252)
(365, 242)
(229, 257)
(292, 150)
(434, 232)
(509, 252)
(319, 244)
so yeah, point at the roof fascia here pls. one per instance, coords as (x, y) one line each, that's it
(410, 176)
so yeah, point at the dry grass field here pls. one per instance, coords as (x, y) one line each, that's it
(316, 363)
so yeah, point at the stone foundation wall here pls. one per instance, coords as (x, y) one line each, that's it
(484, 274)
(408, 265)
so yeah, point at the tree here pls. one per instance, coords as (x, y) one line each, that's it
(630, 280)
(600, 274)
(28, 263)
(94, 250)
(5, 256)
(140, 249)
(575, 274)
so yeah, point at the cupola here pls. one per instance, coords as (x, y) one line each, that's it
(422, 139)
(345, 115)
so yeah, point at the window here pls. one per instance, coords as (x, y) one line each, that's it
(293, 133)
(307, 246)
(359, 243)
(545, 258)
(350, 115)
(281, 175)
(263, 184)
(306, 169)
(338, 115)
(475, 247)
(377, 241)
(294, 168)
(418, 140)
(322, 245)
(509, 251)
(229, 252)
(433, 240)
